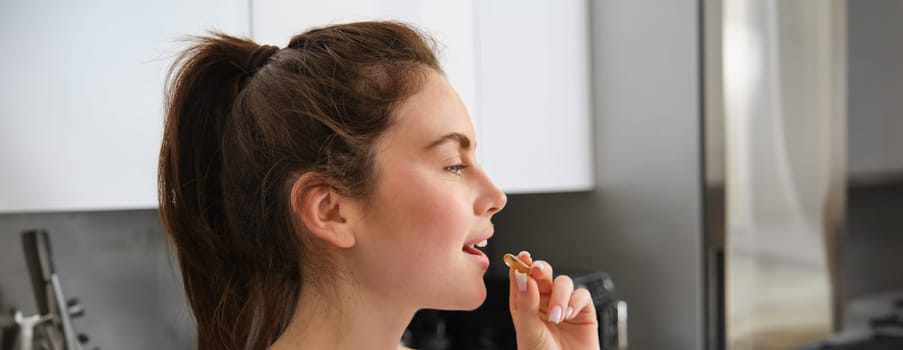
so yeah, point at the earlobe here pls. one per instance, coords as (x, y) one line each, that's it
(322, 210)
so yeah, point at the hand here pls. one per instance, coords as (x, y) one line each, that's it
(549, 314)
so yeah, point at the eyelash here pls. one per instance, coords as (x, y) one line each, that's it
(456, 169)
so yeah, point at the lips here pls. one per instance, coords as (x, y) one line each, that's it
(480, 241)
(477, 256)
(480, 244)
(472, 250)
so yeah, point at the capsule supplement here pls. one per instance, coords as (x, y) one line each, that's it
(513, 262)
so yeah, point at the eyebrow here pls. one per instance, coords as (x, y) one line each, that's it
(463, 141)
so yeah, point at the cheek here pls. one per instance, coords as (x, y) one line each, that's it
(429, 213)
(416, 230)
(435, 214)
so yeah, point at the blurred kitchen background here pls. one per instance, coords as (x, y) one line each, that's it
(734, 166)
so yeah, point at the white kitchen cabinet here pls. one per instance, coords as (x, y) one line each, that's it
(534, 93)
(81, 97)
(521, 67)
(81, 100)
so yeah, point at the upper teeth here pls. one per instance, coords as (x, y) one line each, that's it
(482, 243)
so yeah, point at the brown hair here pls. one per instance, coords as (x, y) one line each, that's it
(237, 136)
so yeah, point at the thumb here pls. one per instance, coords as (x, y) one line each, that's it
(523, 300)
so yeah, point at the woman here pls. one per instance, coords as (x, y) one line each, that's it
(320, 194)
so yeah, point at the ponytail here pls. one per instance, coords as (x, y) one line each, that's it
(204, 84)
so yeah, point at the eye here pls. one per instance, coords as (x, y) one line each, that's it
(456, 169)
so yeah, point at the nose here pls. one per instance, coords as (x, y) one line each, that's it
(491, 199)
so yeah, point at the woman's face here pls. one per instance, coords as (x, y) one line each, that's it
(430, 204)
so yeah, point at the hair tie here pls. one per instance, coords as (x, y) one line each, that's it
(261, 56)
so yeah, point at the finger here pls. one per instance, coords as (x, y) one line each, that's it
(519, 279)
(525, 257)
(542, 273)
(562, 289)
(524, 298)
(581, 307)
(520, 293)
(529, 324)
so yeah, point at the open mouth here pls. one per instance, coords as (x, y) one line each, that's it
(476, 248)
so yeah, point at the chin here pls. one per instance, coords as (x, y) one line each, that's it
(471, 299)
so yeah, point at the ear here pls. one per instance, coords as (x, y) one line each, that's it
(322, 210)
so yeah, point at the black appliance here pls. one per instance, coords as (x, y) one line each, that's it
(490, 326)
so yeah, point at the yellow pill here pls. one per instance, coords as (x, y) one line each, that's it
(517, 264)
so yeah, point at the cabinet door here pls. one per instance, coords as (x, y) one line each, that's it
(521, 67)
(534, 94)
(81, 97)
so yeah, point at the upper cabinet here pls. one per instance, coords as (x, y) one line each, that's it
(521, 67)
(533, 82)
(81, 99)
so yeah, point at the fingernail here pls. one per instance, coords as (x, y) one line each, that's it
(567, 314)
(539, 265)
(521, 279)
(524, 252)
(555, 315)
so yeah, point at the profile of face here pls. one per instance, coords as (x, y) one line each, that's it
(431, 202)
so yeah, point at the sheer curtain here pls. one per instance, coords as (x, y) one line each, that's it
(784, 111)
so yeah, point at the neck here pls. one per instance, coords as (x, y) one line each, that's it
(344, 318)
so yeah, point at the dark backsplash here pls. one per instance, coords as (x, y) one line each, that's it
(116, 264)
